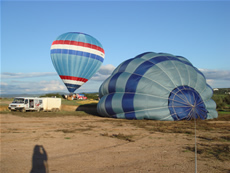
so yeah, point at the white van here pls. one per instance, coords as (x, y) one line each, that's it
(24, 104)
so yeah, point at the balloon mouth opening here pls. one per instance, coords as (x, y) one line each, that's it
(185, 103)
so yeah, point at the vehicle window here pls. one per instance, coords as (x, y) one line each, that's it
(18, 100)
(40, 101)
(26, 101)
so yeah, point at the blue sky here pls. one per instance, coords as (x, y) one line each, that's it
(197, 30)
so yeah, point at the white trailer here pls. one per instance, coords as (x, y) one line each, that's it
(51, 104)
(24, 104)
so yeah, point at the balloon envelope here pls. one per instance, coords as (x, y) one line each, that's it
(156, 86)
(76, 57)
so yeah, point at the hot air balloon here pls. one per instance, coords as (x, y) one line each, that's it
(156, 86)
(76, 57)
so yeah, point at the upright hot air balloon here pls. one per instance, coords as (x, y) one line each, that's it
(156, 86)
(76, 57)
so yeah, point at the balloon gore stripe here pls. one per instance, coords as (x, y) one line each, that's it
(72, 83)
(73, 78)
(80, 53)
(76, 43)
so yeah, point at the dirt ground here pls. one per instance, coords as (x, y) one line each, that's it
(89, 144)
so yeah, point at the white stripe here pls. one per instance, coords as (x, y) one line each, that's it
(77, 48)
(73, 82)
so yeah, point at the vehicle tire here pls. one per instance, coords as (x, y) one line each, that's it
(23, 110)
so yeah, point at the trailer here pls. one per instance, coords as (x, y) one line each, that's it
(51, 104)
(24, 104)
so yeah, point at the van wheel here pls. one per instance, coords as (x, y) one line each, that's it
(23, 110)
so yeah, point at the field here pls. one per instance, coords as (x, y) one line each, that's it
(77, 140)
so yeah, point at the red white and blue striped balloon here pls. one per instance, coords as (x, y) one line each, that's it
(76, 58)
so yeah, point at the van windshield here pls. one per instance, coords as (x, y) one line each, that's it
(18, 100)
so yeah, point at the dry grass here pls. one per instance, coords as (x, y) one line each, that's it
(218, 151)
(74, 130)
(120, 136)
(4, 108)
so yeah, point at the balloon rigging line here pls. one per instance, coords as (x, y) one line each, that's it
(195, 147)
(162, 70)
(177, 72)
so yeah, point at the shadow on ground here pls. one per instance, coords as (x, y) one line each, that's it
(39, 160)
(89, 109)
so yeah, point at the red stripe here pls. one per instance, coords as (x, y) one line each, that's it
(74, 78)
(69, 42)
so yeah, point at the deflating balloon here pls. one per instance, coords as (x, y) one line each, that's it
(76, 57)
(156, 86)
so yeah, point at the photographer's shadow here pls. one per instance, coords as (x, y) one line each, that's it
(39, 160)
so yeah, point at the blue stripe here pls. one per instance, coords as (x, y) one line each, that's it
(142, 68)
(124, 65)
(108, 104)
(127, 102)
(130, 115)
(71, 87)
(113, 80)
(112, 83)
(166, 58)
(79, 53)
(134, 79)
(161, 59)
(127, 105)
(132, 83)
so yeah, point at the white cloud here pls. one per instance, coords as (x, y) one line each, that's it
(103, 73)
(216, 74)
(32, 87)
(7, 75)
(217, 78)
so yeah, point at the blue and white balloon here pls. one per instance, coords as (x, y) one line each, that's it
(76, 58)
(156, 86)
